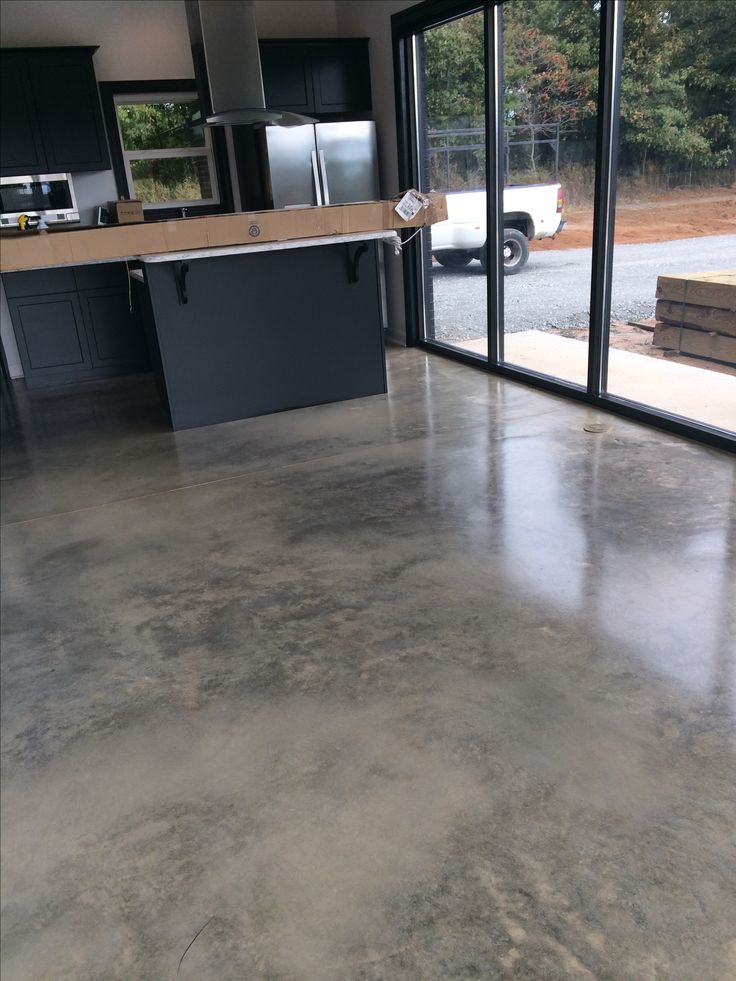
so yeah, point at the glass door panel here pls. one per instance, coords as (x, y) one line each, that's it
(550, 66)
(450, 123)
(672, 336)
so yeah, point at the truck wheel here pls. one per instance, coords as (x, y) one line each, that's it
(515, 252)
(454, 259)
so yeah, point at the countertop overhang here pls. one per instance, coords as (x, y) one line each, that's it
(386, 235)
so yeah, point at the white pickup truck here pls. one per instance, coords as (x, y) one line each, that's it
(529, 211)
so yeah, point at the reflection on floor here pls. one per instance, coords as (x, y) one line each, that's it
(426, 686)
(695, 393)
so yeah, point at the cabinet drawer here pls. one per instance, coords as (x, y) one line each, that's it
(103, 276)
(38, 282)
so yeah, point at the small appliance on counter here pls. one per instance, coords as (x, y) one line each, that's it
(28, 222)
(47, 197)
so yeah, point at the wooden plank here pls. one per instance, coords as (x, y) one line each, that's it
(716, 289)
(716, 347)
(701, 318)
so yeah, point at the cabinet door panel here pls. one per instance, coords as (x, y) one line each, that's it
(69, 112)
(50, 334)
(287, 76)
(21, 151)
(115, 334)
(341, 74)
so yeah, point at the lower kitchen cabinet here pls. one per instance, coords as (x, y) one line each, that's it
(52, 341)
(78, 334)
(114, 333)
(255, 332)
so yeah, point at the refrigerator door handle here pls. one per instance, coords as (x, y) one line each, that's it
(315, 175)
(323, 169)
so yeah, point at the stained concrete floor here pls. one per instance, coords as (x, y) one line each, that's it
(429, 686)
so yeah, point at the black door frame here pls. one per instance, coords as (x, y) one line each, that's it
(433, 13)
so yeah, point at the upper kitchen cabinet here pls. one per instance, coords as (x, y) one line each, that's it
(320, 78)
(21, 150)
(286, 67)
(51, 118)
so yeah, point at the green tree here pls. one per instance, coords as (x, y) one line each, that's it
(658, 117)
(678, 95)
(454, 72)
(707, 31)
(160, 125)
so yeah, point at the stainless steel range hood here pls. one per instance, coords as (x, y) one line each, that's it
(227, 65)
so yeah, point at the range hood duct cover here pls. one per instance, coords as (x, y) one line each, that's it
(227, 65)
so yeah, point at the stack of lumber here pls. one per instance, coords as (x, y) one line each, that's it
(696, 314)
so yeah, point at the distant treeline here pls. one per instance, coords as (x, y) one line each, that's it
(678, 100)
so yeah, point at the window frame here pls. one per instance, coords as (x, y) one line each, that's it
(432, 13)
(151, 90)
(207, 151)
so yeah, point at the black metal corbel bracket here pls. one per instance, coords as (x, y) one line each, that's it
(353, 253)
(181, 270)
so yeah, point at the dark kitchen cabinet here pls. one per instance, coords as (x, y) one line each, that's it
(51, 117)
(341, 77)
(260, 348)
(114, 333)
(75, 324)
(21, 150)
(287, 76)
(321, 78)
(52, 342)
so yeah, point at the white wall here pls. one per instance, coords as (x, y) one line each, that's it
(145, 38)
(296, 18)
(137, 38)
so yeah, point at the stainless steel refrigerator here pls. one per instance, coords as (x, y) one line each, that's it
(325, 163)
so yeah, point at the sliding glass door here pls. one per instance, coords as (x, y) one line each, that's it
(532, 116)
(550, 91)
(450, 94)
(672, 332)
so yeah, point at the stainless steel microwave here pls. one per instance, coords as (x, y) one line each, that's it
(50, 196)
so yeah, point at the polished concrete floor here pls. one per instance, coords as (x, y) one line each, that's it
(438, 685)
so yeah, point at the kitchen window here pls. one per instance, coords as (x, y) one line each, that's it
(167, 151)
(162, 151)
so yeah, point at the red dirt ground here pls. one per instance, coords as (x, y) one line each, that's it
(680, 214)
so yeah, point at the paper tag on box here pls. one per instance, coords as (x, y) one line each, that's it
(410, 205)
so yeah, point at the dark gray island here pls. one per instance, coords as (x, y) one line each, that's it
(246, 330)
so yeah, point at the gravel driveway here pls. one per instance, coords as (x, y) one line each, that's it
(553, 290)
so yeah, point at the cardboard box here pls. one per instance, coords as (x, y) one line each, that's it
(35, 251)
(118, 242)
(125, 212)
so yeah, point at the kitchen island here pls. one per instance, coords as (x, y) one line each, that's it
(244, 314)
(246, 330)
